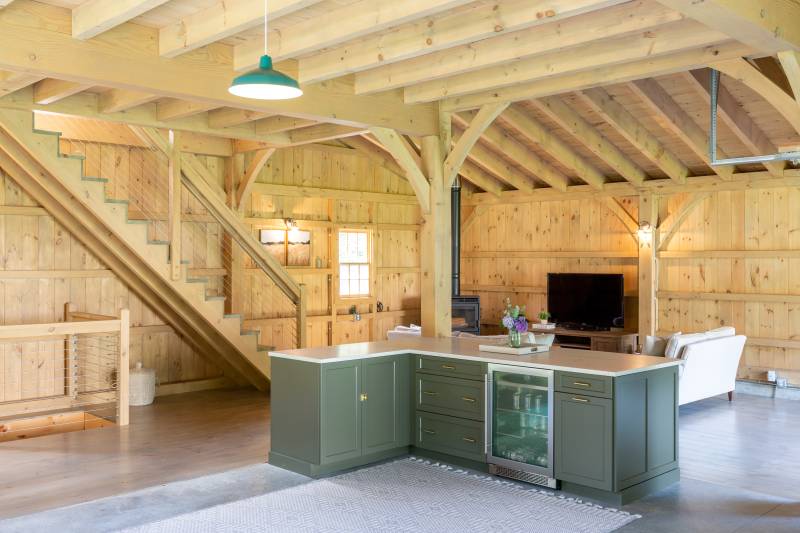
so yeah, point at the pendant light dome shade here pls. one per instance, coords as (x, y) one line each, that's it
(265, 83)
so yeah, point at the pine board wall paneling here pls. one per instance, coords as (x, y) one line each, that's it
(734, 262)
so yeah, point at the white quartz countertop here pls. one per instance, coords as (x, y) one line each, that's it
(566, 359)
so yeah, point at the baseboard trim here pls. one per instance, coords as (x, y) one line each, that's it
(767, 390)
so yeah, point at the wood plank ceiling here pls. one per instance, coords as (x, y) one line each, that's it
(603, 91)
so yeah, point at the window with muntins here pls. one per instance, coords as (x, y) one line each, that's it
(353, 263)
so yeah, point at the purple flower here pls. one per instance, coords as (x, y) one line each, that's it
(521, 325)
(508, 322)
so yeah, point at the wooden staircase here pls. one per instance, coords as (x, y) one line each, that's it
(80, 203)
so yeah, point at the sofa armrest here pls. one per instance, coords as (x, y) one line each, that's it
(710, 367)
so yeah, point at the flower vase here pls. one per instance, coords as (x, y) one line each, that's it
(514, 338)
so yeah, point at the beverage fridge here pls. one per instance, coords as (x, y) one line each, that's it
(520, 423)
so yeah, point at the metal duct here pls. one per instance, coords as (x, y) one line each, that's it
(455, 230)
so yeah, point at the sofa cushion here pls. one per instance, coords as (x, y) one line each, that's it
(724, 331)
(654, 345)
(676, 343)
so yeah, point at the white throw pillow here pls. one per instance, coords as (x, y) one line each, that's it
(654, 345)
(724, 331)
(676, 344)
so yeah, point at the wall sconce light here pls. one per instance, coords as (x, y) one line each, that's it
(294, 233)
(645, 233)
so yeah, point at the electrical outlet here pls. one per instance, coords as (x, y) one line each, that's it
(772, 376)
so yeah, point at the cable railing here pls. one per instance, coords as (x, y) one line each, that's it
(64, 370)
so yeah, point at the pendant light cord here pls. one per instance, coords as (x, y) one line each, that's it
(265, 27)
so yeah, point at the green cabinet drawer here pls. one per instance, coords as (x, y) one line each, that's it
(451, 367)
(450, 396)
(453, 436)
(591, 385)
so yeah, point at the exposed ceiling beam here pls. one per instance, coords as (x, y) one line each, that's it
(323, 132)
(652, 43)
(51, 90)
(495, 165)
(572, 121)
(737, 119)
(630, 128)
(127, 62)
(605, 75)
(790, 60)
(279, 124)
(502, 142)
(744, 72)
(343, 24)
(766, 25)
(231, 116)
(555, 37)
(14, 81)
(219, 21)
(456, 156)
(376, 153)
(97, 16)
(552, 145)
(480, 178)
(679, 122)
(173, 109)
(432, 34)
(408, 159)
(115, 100)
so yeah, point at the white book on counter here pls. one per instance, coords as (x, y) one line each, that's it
(524, 349)
(540, 327)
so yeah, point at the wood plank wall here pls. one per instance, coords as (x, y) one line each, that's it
(734, 260)
(394, 230)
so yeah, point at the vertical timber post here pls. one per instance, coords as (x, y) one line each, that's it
(174, 205)
(302, 312)
(123, 368)
(648, 265)
(436, 245)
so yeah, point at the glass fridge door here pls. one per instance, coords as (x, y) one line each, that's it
(521, 417)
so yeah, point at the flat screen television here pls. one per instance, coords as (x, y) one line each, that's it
(586, 301)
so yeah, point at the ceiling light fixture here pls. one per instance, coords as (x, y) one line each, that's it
(265, 83)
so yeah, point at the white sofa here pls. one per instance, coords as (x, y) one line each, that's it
(710, 361)
(400, 332)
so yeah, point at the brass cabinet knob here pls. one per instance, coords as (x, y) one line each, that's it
(581, 384)
(429, 431)
(468, 439)
(468, 399)
(430, 393)
(582, 400)
(448, 367)
(363, 397)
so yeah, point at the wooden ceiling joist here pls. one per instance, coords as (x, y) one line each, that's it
(497, 166)
(790, 61)
(346, 23)
(279, 124)
(679, 122)
(552, 145)
(744, 72)
(434, 33)
(116, 100)
(630, 128)
(173, 109)
(738, 121)
(456, 156)
(605, 75)
(14, 81)
(50, 90)
(480, 178)
(323, 132)
(502, 142)
(658, 41)
(94, 17)
(231, 116)
(135, 67)
(589, 136)
(375, 152)
(766, 25)
(219, 21)
(537, 41)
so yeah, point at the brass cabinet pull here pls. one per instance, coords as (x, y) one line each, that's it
(430, 393)
(468, 399)
(363, 397)
(582, 400)
(429, 431)
(448, 367)
(467, 439)
(581, 384)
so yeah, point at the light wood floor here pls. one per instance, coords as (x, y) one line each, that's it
(178, 437)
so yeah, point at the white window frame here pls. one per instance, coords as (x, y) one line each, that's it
(363, 266)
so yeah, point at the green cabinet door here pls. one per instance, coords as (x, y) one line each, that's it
(340, 413)
(583, 427)
(385, 409)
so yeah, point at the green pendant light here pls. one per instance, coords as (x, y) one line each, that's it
(265, 83)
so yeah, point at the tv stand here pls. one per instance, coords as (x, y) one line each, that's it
(601, 341)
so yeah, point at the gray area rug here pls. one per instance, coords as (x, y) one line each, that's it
(412, 495)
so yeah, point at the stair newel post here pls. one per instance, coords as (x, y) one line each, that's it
(123, 368)
(302, 305)
(175, 204)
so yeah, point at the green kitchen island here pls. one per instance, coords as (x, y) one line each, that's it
(599, 424)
